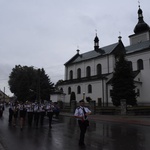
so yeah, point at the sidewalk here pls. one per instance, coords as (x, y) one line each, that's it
(139, 120)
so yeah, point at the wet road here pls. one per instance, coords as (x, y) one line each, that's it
(65, 133)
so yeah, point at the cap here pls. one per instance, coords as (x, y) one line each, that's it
(81, 100)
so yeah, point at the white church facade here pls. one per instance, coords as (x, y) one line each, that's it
(89, 74)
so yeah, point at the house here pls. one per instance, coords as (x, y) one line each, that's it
(57, 96)
(4, 97)
(89, 74)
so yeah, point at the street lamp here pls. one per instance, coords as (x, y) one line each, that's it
(38, 91)
(83, 95)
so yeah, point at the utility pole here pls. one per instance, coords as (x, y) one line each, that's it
(4, 95)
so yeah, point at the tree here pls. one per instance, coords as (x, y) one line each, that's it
(28, 83)
(123, 83)
(59, 81)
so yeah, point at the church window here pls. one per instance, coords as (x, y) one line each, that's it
(61, 89)
(71, 75)
(78, 90)
(130, 64)
(89, 88)
(78, 73)
(69, 90)
(99, 69)
(88, 71)
(140, 64)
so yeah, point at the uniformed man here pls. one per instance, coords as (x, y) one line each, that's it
(36, 114)
(30, 111)
(22, 114)
(42, 113)
(81, 113)
(49, 110)
(11, 112)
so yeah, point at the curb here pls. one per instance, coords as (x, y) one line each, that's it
(138, 120)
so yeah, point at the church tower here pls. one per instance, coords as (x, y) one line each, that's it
(96, 43)
(141, 30)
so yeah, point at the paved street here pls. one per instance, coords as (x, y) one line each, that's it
(101, 135)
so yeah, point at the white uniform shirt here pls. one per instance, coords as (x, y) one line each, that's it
(50, 108)
(79, 112)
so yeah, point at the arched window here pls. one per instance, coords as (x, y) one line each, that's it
(130, 64)
(61, 89)
(99, 69)
(78, 73)
(140, 64)
(89, 88)
(88, 71)
(71, 75)
(78, 90)
(69, 90)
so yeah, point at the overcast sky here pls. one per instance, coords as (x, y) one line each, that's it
(47, 33)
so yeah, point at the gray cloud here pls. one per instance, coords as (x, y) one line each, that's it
(47, 33)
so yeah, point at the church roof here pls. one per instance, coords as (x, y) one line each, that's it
(137, 47)
(116, 47)
(93, 54)
(108, 50)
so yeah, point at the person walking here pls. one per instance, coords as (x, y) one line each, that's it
(22, 115)
(42, 114)
(30, 111)
(49, 110)
(36, 114)
(81, 113)
(11, 113)
(15, 110)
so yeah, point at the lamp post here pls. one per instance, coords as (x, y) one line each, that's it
(38, 91)
(83, 95)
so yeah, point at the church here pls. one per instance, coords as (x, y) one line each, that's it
(89, 74)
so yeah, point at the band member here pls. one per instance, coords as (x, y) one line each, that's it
(30, 112)
(11, 113)
(15, 110)
(81, 113)
(36, 114)
(22, 111)
(42, 113)
(49, 110)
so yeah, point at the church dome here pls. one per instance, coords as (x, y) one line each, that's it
(141, 25)
(96, 39)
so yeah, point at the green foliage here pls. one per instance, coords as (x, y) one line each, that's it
(123, 83)
(28, 83)
(59, 82)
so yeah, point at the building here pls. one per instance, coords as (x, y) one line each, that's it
(4, 97)
(89, 74)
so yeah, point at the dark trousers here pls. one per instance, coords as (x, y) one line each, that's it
(30, 118)
(42, 117)
(83, 127)
(50, 116)
(36, 118)
(10, 115)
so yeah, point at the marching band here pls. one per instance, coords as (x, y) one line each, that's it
(32, 112)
